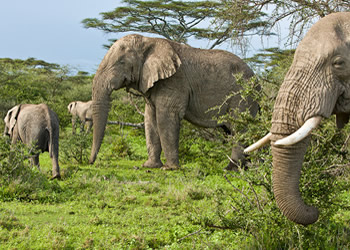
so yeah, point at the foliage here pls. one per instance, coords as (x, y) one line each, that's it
(174, 20)
(251, 210)
(75, 148)
(117, 204)
(127, 107)
(19, 180)
(36, 81)
(215, 21)
(300, 14)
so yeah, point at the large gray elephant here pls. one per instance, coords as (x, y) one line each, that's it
(83, 111)
(317, 85)
(177, 81)
(38, 124)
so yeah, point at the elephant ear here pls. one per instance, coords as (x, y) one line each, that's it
(161, 62)
(12, 116)
(71, 106)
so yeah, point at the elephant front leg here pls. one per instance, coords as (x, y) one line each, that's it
(35, 161)
(169, 130)
(237, 159)
(73, 125)
(89, 126)
(152, 139)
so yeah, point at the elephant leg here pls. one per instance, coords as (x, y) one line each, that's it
(237, 158)
(35, 161)
(73, 125)
(169, 130)
(89, 126)
(55, 167)
(152, 139)
(82, 125)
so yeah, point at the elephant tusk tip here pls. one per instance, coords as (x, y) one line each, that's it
(266, 139)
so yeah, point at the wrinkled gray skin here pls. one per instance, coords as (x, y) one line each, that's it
(317, 84)
(178, 82)
(83, 111)
(31, 123)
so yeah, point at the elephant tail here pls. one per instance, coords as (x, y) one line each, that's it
(51, 139)
(50, 129)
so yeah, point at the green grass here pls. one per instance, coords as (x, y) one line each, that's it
(117, 204)
(114, 207)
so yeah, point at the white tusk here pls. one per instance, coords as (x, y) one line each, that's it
(258, 144)
(301, 133)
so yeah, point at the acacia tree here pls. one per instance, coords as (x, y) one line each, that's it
(300, 14)
(174, 20)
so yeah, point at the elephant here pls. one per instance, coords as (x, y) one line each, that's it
(31, 123)
(316, 86)
(178, 82)
(83, 111)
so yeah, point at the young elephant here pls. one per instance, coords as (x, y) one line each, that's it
(31, 123)
(83, 111)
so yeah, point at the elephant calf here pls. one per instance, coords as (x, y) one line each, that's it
(83, 111)
(37, 124)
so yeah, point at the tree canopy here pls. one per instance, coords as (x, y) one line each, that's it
(216, 21)
(299, 14)
(174, 20)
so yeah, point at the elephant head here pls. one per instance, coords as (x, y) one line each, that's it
(71, 106)
(316, 86)
(134, 62)
(11, 120)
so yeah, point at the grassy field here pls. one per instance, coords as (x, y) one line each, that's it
(117, 204)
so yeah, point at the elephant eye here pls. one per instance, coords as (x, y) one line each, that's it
(338, 63)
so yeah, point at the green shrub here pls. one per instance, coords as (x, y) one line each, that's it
(250, 209)
(75, 148)
(19, 180)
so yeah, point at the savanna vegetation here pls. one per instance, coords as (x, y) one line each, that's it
(117, 204)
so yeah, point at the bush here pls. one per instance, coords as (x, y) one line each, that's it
(18, 179)
(75, 148)
(250, 209)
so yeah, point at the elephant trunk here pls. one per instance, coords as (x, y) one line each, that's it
(287, 163)
(100, 109)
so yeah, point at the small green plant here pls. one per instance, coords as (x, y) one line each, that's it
(76, 148)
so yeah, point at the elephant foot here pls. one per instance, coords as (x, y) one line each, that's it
(56, 176)
(152, 164)
(232, 167)
(170, 167)
(235, 166)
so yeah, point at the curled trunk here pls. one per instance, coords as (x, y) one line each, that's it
(287, 163)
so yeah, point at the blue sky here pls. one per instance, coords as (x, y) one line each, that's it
(51, 30)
